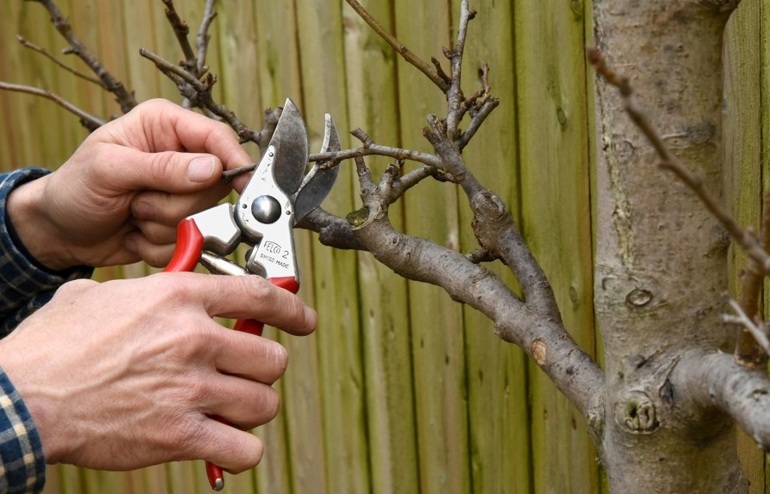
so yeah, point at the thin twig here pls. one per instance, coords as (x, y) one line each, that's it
(199, 93)
(405, 52)
(202, 38)
(124, 97)
(39, 49)
(91, 122)
(747, 323)
(181, 30)
(455, 97)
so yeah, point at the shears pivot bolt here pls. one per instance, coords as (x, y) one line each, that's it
(266, 209)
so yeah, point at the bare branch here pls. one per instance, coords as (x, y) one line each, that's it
(742, 319)
(405, 52)
(373, 149)
(91, 122)
(455, 97)
(202, 38)
(199, 94)
(124, 97)
(181, 30)
(715, 380)
(748, 349)
(39, 49)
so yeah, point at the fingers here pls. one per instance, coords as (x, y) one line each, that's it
(251, 297)
(251, 357)
(169, 126)
(191, 131)
(168, 209)
(230, 448)
(162, 146)
(154, 253)
(126, 169)
(243, 403)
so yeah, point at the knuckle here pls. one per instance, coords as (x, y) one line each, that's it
(183, 435)
(74, 288)
(249, 456)
(161, 164)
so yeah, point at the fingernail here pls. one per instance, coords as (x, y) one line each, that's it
(311, 318)
(200, 169)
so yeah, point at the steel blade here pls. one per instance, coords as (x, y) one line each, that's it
(291, 143)
(319, 180)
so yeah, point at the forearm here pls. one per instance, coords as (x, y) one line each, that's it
(25, 284)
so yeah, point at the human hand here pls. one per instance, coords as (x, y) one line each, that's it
(120, 196)
(127, 373)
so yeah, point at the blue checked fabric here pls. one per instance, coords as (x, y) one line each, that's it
(22, 464)
(25, 286)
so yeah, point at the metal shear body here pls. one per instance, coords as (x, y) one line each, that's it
(277, 196)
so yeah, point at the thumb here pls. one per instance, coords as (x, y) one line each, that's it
(168, 171)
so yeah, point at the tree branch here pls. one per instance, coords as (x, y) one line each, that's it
(124, 97)
(715, 380)
(39, 49)
(91, 122)
(405, 52)
(199, 93)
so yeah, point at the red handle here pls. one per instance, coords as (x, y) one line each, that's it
(189, 244)
(255, 327)
(251, 326)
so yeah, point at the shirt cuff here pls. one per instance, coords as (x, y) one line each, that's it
(22, 461)
(25, 284)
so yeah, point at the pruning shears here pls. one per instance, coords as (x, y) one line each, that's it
(278, 195)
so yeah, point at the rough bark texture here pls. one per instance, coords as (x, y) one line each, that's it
(660, 258)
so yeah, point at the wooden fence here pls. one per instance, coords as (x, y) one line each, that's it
(400, 390)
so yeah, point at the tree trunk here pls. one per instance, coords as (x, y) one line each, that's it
(660, 256)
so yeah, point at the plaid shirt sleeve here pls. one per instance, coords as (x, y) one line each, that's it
(22, 464)
(25, 285)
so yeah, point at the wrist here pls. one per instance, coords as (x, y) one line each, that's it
(34, 232)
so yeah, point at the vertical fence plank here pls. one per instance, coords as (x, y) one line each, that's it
(436, 321)
(335, 272)
(556, 211)
(373, 107)
(743, 176)
(497, 371)
(294, 457)
(764, 107)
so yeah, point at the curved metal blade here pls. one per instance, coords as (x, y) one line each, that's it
(319, 180)
(291, 143)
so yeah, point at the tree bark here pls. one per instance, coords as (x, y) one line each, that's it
(660, 256)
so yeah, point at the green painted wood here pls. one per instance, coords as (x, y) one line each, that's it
(303, 466)
(764, 164)
(370, 70)
(335, 272)
(436, 322)
(552, 123)
(497, 371)
(743, 175)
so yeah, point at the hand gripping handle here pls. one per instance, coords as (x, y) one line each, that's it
(189, 246)
(251, 326)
